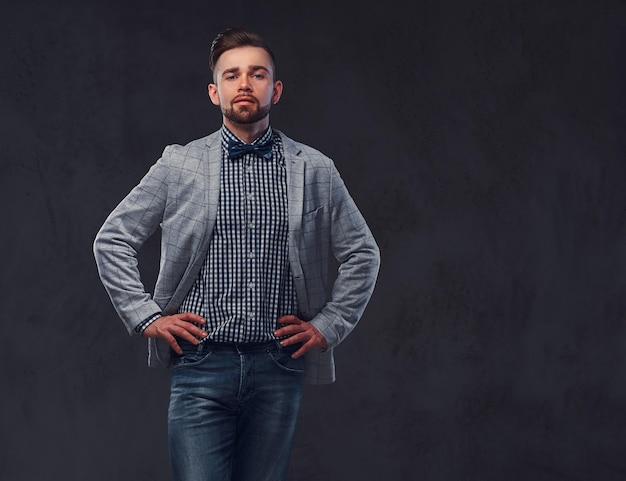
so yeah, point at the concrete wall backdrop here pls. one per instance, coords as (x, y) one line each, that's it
(484, 142)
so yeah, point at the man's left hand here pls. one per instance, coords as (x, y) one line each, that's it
(300, 331)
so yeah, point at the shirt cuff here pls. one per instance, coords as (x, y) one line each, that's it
(144, 324)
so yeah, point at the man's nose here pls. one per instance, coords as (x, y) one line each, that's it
(244, 83)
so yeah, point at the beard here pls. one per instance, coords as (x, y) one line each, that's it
(246, 114)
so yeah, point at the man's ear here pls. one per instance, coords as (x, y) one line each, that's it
(278, 91)
(213, 95)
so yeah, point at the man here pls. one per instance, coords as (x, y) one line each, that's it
(241, 311)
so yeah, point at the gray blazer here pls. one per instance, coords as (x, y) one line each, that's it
(180, 194)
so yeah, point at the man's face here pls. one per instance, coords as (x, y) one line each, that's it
(244, 86)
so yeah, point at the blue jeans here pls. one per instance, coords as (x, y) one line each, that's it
(233, 411)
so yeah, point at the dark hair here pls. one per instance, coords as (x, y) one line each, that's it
(234, 37)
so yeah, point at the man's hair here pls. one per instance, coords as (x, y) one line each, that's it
(235, 37)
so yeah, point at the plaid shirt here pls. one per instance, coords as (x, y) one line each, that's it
(245, 284)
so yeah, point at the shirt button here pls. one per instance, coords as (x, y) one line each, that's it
(250, 285)
(250, 195)
(251, 225)
(251, 316)
(248, 168)
(250, 255)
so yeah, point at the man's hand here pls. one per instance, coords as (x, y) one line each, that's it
(179, 325)
(300, 331)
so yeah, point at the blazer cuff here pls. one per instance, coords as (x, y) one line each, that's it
(324, 325)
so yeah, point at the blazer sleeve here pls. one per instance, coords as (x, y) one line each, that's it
(354, 247)
(123, 233)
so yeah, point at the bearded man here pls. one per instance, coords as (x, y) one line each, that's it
(241, 312)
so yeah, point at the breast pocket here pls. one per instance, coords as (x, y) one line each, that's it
(311, 220)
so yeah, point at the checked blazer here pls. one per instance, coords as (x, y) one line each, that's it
(180, 194)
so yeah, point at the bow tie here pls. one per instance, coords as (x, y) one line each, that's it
(237, 149)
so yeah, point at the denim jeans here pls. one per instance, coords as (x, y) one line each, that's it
(233, 411)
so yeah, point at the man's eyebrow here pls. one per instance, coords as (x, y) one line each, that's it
(230, 70)
(258, 67)
(251, 68)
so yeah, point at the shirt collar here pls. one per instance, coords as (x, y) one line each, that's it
(227, 135)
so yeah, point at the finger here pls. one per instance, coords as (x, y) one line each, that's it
(192, 317)
(171, 340)
(283, 331)
(306, 347)
(289, 330)
(295, 339)
(290, 319)
(187, 335)
(192, 329)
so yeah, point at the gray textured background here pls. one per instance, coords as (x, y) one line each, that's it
(483, 141)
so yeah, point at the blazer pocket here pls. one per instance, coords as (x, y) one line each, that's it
(311, 219)
(313, 213)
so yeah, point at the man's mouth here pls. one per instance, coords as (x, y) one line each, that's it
(245, 100)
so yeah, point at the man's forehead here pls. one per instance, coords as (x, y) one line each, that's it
(244, 58)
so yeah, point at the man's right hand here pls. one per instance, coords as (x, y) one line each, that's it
(177, 325)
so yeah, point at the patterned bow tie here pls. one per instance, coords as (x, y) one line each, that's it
(237, 149)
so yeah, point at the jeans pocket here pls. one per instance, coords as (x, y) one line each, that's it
(188, 359)
(285, 362)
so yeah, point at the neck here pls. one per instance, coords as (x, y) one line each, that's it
(248, 132)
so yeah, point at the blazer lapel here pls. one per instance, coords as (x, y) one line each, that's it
(212, 160)
(213, 166)
(294, 164)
